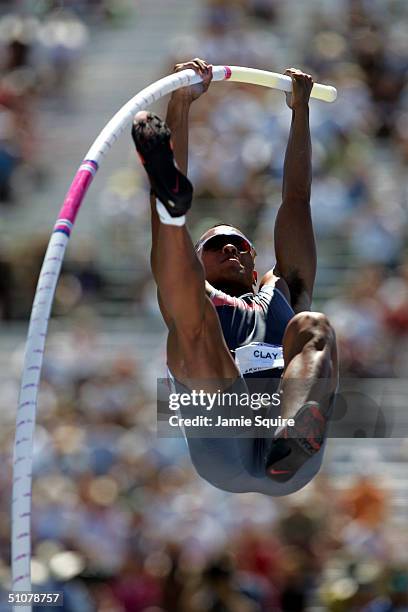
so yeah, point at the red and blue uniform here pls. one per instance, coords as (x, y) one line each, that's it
(253, 326)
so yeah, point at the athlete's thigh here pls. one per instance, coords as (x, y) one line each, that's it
(202, 354)
(301, 329)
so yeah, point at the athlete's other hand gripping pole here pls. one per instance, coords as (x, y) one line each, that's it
(310, 376)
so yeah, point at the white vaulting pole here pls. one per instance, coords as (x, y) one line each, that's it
(27, 406)
(276, 81)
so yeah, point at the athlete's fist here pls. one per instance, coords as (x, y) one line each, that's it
(193, 92)
(301, 88)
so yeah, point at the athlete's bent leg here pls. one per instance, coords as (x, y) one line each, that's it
(310, 357)
(308, 386)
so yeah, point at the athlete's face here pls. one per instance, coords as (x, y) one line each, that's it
(228, 259)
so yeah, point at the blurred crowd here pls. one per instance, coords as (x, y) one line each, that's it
(121, 523)
(41, 46)
(90, 11)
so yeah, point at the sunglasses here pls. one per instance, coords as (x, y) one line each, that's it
(216, 243)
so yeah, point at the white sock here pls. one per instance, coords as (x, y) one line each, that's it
(166, 218)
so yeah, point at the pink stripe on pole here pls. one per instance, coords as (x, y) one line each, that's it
(20, 578)
(27, 404)
(228, 72)
(77, 191)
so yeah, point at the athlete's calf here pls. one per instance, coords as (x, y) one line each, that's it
(308, 387)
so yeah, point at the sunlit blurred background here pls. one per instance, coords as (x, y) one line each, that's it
(121, 522)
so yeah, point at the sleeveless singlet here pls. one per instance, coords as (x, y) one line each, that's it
(253, 326)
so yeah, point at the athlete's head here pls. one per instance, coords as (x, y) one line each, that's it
(228, 258)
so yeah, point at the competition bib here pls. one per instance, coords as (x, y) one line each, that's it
(258, 356)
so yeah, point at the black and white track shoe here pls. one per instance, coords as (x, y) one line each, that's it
(294, 445)
(152, 139)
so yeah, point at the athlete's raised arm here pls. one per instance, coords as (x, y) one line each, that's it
(177, 120)
(179, 107)
(294, 238)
